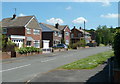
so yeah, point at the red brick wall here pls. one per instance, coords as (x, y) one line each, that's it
(67, 37)
(75, 32)
(35, 37)
(56, 37)
(5, 55)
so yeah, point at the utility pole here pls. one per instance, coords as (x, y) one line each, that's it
(84, 34)
(15, 11)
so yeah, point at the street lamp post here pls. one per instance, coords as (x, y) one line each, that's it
(84, 34)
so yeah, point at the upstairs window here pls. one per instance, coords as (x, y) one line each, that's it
(4, 31)
(67, 33)
(28, 30)
(72, 35)
(36, 31)
(55, 33)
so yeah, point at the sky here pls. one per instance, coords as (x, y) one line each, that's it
(66, 13)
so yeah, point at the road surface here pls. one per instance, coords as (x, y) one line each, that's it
(26, 68)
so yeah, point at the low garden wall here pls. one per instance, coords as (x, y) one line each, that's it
(59, 49)
(5, 55)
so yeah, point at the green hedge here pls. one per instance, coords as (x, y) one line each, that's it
(26, 50)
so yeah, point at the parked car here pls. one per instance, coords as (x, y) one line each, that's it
(61, 46)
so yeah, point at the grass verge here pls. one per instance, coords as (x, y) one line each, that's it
(89, 62)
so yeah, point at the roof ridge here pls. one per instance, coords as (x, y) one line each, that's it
(18, 17)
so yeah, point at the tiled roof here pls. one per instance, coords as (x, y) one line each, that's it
(17, 22)
(61, 27)
(47, 27)
(81, 30)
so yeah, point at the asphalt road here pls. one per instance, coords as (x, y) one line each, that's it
(26, 68)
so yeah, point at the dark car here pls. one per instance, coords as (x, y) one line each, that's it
(61, 46)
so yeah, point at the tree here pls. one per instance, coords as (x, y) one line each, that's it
(104, 35)
(117, 47)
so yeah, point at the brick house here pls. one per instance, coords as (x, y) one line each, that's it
(23, 31)
(65, 31)
(49, 32)
(78, 34)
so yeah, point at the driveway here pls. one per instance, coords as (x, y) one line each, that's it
(26, 68)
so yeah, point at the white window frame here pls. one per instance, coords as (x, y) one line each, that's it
(67, 33)
(36, 31)
(28, 30)
(37, 42)
(55, 33)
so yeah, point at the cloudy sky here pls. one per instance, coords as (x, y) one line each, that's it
(70, 13)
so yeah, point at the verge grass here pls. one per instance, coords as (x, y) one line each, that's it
(89, 62)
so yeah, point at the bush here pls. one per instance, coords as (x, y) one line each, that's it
(116, 47)
(80, 43)
(26, 50)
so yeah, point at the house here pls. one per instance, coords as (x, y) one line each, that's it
(49, 32)
(65, 31)
(23, 31)
(78, 34)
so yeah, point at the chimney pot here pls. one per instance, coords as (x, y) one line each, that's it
(80, 28)
(56, 25)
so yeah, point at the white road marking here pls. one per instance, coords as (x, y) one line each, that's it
(15, 68)
(48, 60)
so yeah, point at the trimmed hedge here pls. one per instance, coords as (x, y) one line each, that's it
(26, 50)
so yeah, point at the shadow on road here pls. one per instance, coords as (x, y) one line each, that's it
(100, 77)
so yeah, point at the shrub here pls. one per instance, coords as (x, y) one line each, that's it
(80, 43)
(26, 50)
(116, 47)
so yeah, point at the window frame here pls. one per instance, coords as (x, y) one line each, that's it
(36, 33)
(28, 30)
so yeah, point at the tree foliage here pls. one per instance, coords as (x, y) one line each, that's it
(117, 46)
(104, 35)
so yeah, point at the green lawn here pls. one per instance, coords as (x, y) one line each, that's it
(89, 62)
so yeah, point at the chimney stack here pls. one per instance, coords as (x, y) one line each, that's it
(74, 27)
(14, 16)
(80, 28)
(56, 25)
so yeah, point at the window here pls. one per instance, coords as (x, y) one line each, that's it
(79, 34)
(4, 30)
(59, 34)
(72, 35)
(28, 30)
(67, 41)
(67, 33)
(55, 33)
(37, 44)
(36, 31)
(28, 43)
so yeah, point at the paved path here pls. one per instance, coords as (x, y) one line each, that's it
(26, 68)
(99, 74)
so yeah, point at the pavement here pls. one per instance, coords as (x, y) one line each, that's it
(99, 74)
(24, 69)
